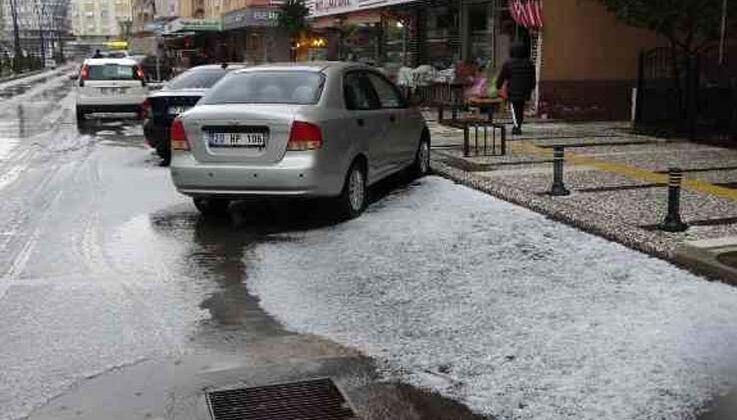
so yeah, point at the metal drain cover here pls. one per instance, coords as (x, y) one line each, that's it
(317, 399)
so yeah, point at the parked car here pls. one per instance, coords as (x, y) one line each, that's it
(110, 85)
(178, 95)
(296, 130)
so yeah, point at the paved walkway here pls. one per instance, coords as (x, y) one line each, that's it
(618, 182)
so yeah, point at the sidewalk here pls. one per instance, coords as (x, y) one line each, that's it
(618, 186)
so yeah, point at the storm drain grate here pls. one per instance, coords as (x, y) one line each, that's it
(317, 399)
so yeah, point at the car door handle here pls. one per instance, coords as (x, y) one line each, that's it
(360, 122)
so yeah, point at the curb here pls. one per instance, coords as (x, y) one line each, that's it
(59, 69)
(23, 75)
(650, 243)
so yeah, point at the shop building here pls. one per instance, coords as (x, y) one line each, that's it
(586, 60)
(251, 35)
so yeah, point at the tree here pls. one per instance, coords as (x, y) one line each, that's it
(17, 60)
(689, 25)
(293, 18)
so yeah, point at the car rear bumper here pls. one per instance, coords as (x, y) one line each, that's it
(92, 101)
(133, 108)
(296, 175)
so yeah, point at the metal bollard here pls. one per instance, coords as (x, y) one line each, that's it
(673, 222)
(558, 189)
(466, 146)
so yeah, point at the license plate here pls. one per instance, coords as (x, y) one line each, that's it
(176, 110)
(252, 139)
(112, 91)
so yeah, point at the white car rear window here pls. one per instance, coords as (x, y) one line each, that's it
(111, 72)
(267, 87)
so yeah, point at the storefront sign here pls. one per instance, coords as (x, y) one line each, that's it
(193, 25)
(334, 7)
(251, 17)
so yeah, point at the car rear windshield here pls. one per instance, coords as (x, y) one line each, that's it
(267, 87)
(196, 79)
(111, 72)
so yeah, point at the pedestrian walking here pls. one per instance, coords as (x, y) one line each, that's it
(98, 54)
(518, 73)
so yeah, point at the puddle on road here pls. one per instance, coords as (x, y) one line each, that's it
(239, 343)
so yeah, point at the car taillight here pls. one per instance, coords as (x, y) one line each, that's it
(178, 136)
(146, 109)
(84, 74)
(141, 75)
(304, 136)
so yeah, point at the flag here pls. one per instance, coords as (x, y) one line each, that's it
(527, 13)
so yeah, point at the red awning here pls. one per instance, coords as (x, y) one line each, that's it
(527, 13)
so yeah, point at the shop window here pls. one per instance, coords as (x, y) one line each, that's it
(480, 33)
(396, 48)
(441, 42)
(360, 43)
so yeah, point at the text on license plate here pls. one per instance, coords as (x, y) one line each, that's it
(176, 110)
(253, 139)
(112, 91)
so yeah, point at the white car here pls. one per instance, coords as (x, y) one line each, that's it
(110, 85)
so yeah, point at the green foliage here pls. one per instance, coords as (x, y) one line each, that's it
(689, 25)
(293, 17)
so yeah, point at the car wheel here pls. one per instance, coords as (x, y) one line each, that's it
(353, 199)
(421, 166)
(212, 206)
(81, 116)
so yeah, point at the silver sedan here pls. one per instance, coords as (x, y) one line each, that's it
(297, 130)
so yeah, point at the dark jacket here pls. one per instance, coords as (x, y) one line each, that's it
(520, 73)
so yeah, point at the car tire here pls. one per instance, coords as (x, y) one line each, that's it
(81, 116)
(421, 165)
(212, 206)
(353, 200)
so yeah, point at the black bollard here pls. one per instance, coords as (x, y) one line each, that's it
(466, 146)
(673, 222)
(558, 189)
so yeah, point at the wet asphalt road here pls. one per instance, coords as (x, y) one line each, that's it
(118, 301)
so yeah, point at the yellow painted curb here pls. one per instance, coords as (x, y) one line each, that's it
(526, 147)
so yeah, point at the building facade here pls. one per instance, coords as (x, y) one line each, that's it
(586, 59)
(213, 9)
(166, 8)
(192, 9)
(101, 19)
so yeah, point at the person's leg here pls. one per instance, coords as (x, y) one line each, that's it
(513, 110)
(518, 115)
(519, 112)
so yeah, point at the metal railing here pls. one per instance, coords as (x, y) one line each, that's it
(484, 139)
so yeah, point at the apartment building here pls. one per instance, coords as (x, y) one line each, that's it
(193, 9)
(101, 19)
(166, 8)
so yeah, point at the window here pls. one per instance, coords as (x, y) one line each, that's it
(387, 93)
(268, 87)
(358, 93)
(111, 72)
(196, 79)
